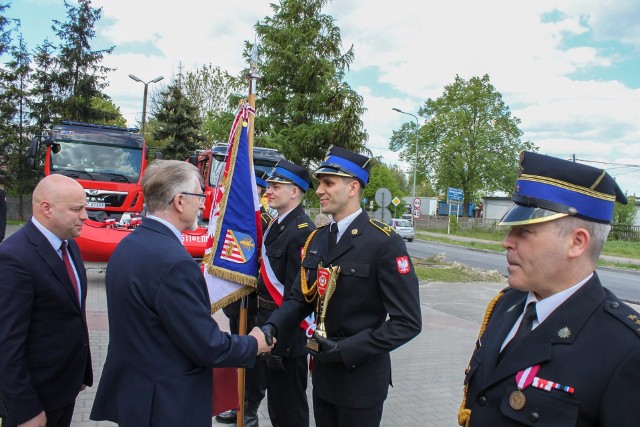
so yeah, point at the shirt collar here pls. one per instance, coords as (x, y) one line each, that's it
(345, 222)
(54, 240)
(171, 227)
(545, 307)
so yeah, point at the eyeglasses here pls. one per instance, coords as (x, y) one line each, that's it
(201, 196)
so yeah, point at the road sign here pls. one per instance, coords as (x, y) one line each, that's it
(395, 201)
(364, 200)
(455, 194)
(417, 202)
(416, 213)
(382, 214)
(383, 197)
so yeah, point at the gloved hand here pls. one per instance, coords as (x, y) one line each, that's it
(274, 362)
(329, 350)
(270, 332)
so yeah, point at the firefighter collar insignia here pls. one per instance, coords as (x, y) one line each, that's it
(511, 308)
(354, 231)
(564, 332)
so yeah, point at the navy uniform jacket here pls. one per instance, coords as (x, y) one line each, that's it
(44, 339)
(377, 280)
(591, 343)
(284, 244)
(162, 339)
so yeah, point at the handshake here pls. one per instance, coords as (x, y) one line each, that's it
(266, 337)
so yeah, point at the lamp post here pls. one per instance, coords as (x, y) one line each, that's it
(415, 166)
(144, 103)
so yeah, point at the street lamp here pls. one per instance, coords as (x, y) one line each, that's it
(144, 103)
(415, 166)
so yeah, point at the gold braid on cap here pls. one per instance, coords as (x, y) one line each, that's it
(464, 414)
(309, 294)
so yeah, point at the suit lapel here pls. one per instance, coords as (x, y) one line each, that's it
(278, 228)
(560, 328)
(346, 240)
(53, 260)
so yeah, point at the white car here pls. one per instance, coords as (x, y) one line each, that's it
(404, 228)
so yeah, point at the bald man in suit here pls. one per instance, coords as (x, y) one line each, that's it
(45, 359)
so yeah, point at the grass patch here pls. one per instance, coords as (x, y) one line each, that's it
(444, 239)
(622, 248)
(434, 270)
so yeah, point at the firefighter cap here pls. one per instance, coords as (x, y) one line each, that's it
(261, 179)
(549, 188)
(341, 162)
(290, 173)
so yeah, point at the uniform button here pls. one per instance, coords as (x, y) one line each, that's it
(353, 270)
(534, 416)
(614, 305)
(482, 401)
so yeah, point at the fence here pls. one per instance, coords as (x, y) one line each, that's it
(17, 211)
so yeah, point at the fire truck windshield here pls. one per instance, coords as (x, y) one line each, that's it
(100, 162)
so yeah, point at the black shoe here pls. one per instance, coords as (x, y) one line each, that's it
(227, 417)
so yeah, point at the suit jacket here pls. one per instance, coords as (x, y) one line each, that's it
(44, 339)
(162, 339)
(377, 280)
(591, 343)
(283, 245)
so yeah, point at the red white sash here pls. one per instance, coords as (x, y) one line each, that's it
(276, 289)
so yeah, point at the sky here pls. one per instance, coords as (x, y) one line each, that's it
(568, 69)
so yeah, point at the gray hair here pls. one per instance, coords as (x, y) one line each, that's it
(598, 232)
(163, 179)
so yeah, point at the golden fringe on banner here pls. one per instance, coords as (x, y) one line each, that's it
(231, 298)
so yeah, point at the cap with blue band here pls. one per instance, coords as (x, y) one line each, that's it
(339, 161)
(290, 173)
(260, 179)
(549, 188)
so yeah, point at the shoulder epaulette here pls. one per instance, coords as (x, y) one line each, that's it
(303, 225)
(624, 313)
(385, 228)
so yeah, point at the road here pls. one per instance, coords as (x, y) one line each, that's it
(624, 283)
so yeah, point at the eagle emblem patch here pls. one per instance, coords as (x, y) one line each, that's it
(403, 264)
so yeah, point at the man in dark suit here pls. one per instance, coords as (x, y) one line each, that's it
(286, 366)
(163, 342)
(375, 307)
(556, 347)
(44, 341)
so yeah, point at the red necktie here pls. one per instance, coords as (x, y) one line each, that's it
(67, 264)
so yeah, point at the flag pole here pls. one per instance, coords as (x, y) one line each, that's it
(253, 77)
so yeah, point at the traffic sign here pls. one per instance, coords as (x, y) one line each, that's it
(455, 194)
(382, 214)
(417, 202)
(383, 197)
(416, 213)
(395, 201)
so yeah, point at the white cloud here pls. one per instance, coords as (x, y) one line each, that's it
(417, 47)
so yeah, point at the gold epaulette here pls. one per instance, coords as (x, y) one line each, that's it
(385, 228)
(303, 225)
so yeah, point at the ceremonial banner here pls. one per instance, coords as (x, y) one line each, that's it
(231, 259)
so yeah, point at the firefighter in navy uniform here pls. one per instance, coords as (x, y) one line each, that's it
(556, 348)
(255, 379)
(375, 307)
(286, 365)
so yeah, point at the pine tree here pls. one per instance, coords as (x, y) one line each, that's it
(177, 123)
(79, 77)
(304, 105)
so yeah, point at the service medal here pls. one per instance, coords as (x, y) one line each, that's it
(517, 400)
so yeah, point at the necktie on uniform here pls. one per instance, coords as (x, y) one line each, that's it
(525, 327)
(67, 264)
(333, 236)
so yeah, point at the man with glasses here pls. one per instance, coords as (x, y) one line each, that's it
(162, 339)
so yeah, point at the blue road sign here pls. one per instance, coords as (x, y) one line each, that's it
(455, 194)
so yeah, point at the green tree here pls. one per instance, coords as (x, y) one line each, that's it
(177, 124)
(79, 76)
(624, 216)
(7, 107)
(383, 176)
(42, 89)
(303, 104)
(470, 140)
